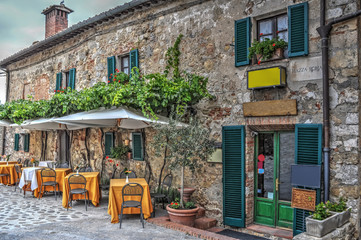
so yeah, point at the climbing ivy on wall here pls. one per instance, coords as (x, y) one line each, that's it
(152, 93)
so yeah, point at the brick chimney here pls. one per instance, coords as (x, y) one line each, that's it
(56, 19)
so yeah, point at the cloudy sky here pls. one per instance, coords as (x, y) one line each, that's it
(21, 22)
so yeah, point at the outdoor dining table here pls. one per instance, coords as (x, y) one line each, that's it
(61, 173)
(115, 199)
(6, 163)
(9, 169)
(46, 163)
(29, 173)
(92, 185)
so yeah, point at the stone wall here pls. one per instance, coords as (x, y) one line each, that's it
(207, 49)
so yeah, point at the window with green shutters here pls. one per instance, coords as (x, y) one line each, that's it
(242, 41)
(111, 68)
(137, 146)
(71, 82)
(26, 142)
(16, 142)
(308, 150)
(298, 30)
(109, 142)
(59, 79)
(233, 151)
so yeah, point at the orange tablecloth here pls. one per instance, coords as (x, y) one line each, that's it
(61, 173)
(115, 199)
(10, 162)
(92, 185)
(11, 170)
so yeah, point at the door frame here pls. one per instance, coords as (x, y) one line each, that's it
(276, 202)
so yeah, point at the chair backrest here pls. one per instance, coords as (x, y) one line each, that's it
(132, 190)
(167, 182)
(76, 179)
(50, 164)
(26, 163)
(62, 165)
(19, 160)
(47, 173)
(130, 175)
(82, 169)
(17, 170)
(89, 169)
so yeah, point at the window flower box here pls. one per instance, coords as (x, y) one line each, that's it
(342, 217)
(319, 228)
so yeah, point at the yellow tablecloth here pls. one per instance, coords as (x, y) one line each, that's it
(10, 169)
(61, 173)
(10, 162)
(92, 185)
(115, 199)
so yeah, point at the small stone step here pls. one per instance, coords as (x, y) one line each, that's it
(205, 223)
(201, 212)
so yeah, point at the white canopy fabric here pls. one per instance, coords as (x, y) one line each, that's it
(121, 117)
(5, 123)
(49, 124)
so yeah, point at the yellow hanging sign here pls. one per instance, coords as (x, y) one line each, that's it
(265, 78)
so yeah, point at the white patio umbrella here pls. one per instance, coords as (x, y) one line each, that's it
(121, 117)
(49, 124)
(5, 123)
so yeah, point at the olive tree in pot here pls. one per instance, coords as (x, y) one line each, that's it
(188, 145)
(321, 222)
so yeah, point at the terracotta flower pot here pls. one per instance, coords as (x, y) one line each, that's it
(183, 216)
(129, 155)
(187, 192)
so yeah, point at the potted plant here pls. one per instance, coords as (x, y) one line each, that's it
(119, 152)
(34, 162)
(321, 222)
(342, 213)
(267, 49)
(188, 145)
(185, 216)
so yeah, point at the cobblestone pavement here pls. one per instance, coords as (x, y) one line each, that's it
(30, 218)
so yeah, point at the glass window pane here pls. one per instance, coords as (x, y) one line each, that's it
(126, 70)
(287, 156)
(282, 23)
(264, 37)
(265, 27)
(265, 166)
(283, 35)
(125, 62)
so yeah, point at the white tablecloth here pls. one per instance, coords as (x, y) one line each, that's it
(29, 174)
(45, 163)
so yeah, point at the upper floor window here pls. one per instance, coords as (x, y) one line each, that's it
(122, 63)
(273, 27)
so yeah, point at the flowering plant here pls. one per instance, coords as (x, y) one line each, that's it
(266, 48)
(321, 212)
(176, 205)
(337, 207)
(32, 160)
(126, 171)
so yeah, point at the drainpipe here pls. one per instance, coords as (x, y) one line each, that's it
(6, 100)
(324, 31)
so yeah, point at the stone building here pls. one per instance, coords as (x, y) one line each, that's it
(264, 127)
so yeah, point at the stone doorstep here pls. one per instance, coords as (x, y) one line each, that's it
(269, 231)
(164, 222)
(205, 223)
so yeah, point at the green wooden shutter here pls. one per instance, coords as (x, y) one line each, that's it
(111, 68)
(109, 143)
(16, 143)
(26, 142)
(298, 30)
(308, 150)
(133, 59)
(233, 151)
(242, 29)
(72, 74)
(59, 78)
(137, 148)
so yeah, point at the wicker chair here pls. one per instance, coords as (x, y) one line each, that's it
(26, 163)
(130, 175)
(133, 190)
(19, 161)
(77, 179)
(160, 195)
(62, 165)
(18, 175)
(48, 173)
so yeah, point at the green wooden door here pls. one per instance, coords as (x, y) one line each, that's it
(273, 158)
(233, 150)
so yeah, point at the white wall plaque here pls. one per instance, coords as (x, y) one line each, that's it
(305, 69)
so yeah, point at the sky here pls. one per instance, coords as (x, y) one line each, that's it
(21, 22)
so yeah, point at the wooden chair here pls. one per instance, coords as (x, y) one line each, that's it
(134, 190)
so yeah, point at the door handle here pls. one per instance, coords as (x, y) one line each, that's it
(277, 183)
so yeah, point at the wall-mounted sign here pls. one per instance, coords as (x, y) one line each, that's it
(305, 69)
(303, 199)
(265, 78)
(306, 175)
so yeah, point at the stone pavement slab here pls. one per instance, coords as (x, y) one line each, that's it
(30, 218)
